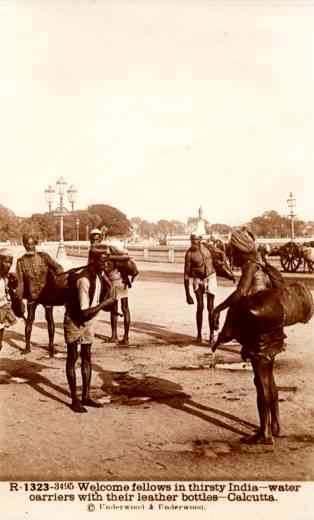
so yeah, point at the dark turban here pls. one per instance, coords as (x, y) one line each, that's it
(243, 240)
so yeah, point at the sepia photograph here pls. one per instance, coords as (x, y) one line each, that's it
(156, 258)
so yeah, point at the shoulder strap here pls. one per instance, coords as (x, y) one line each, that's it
(46, 258)
(43, 254)
(204, 259)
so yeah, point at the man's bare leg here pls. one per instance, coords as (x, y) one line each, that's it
(51, 329)
(199, 293)
(126, 321)
(262, 381)
(31, 309)
(275, 420)
(72, 356)
(211, 322)
(114, 323)
(86, 369)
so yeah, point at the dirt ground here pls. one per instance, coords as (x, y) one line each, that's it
(166, 416)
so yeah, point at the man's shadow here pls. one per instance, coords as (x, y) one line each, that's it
(169, 393)
(31, 372)
(161, 333)
(11, 335)
(43, 325)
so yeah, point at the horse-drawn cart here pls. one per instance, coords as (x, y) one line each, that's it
(294, 257)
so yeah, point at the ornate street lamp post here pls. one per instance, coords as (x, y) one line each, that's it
(72, 191)
(291, 205)
(61, 210)
(49, 192)
(77, 222)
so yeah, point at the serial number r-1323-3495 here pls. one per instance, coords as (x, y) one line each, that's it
(48, 486)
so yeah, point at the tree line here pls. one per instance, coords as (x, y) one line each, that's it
(77, 225)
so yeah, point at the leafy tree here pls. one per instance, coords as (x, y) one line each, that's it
(309, 228)
(271, 224)
(45, 225)
(9, 224)
(115, 221)
(143, 228)
(176, 227)
(87, 221)
(300, 228)
(222, 229)
(163, 228)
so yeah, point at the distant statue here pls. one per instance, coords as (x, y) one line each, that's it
(200, 229)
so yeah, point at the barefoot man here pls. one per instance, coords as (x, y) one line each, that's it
(258, 346)
(89, 294)
(120, 283)
(199, 267)
(32, 271)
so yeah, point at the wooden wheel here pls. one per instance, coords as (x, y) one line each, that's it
(310, 266)
(290, 257)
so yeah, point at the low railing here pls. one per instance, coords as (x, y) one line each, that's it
(140, 253)
(153, 253)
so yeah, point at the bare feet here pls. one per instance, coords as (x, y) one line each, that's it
(257, 438)
(92, 403)
(25, 351)
(124, 342)
(112, 339)
(77, 407)
(211, 341)
(275, 429)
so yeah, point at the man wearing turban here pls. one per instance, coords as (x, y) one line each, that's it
(260, 349)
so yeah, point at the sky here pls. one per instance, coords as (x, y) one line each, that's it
(159, 107)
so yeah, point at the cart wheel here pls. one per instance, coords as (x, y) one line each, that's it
(310, 266)
(290, 257)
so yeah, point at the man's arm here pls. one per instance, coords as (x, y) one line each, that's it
(187, 270)
(221, 266)
(17, 303)
(87, 311)
(91, 312)
(242, 289)
(114, 250)
(19, 291)
(52, 264)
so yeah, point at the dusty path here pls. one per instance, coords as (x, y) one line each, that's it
(167, 435)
